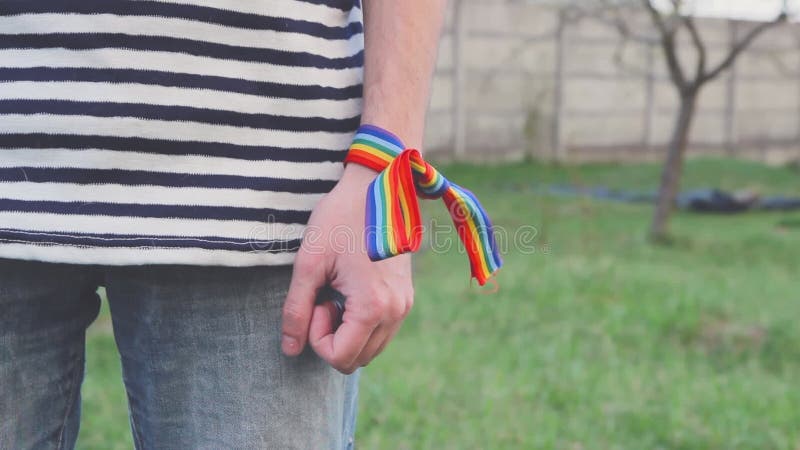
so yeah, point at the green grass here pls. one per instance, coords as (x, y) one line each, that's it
(104, 415)
(596, 340)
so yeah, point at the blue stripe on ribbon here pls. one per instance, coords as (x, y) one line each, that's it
(374, 193)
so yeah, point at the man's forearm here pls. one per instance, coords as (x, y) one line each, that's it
(401, 39)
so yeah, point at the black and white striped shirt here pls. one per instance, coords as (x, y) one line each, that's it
(177, 131)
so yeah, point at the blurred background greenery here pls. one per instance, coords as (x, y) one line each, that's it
(596, 340)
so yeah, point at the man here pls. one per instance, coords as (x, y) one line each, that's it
(171, 151)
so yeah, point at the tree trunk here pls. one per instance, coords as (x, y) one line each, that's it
(673, 167)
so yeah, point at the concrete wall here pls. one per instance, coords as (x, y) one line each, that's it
(517, 83)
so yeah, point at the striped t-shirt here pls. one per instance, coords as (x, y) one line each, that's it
(179, 131)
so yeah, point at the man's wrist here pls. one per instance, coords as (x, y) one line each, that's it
(369, 137)
(358, 174)
(374, 147)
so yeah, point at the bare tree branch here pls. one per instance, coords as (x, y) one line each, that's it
(623, 28)
(619, 60)
(611, 14)
(668, 31)
(657, 19)
(688, 21)
(742, 45)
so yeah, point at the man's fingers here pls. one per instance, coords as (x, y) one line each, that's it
(307, 277)
(379, 340)
(322, 322)
(397, 310)
(339, 349)
(379, 337)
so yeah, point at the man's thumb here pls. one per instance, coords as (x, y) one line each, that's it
(308, 276)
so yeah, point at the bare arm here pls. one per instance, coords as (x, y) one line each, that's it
(401, 43)
(401, 38)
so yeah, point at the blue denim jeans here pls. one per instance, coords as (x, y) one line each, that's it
(201, 359)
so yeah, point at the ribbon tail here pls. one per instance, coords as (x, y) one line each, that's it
(475, 230)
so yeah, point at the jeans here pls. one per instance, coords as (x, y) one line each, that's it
(200, 353)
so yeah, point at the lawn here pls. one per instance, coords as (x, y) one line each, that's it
(595, 339)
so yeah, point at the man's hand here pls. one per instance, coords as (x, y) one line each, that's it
(379, 294)
(400, 41)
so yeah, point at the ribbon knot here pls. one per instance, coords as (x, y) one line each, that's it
(393, 219)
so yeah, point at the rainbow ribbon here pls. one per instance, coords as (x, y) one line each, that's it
(393, 219)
